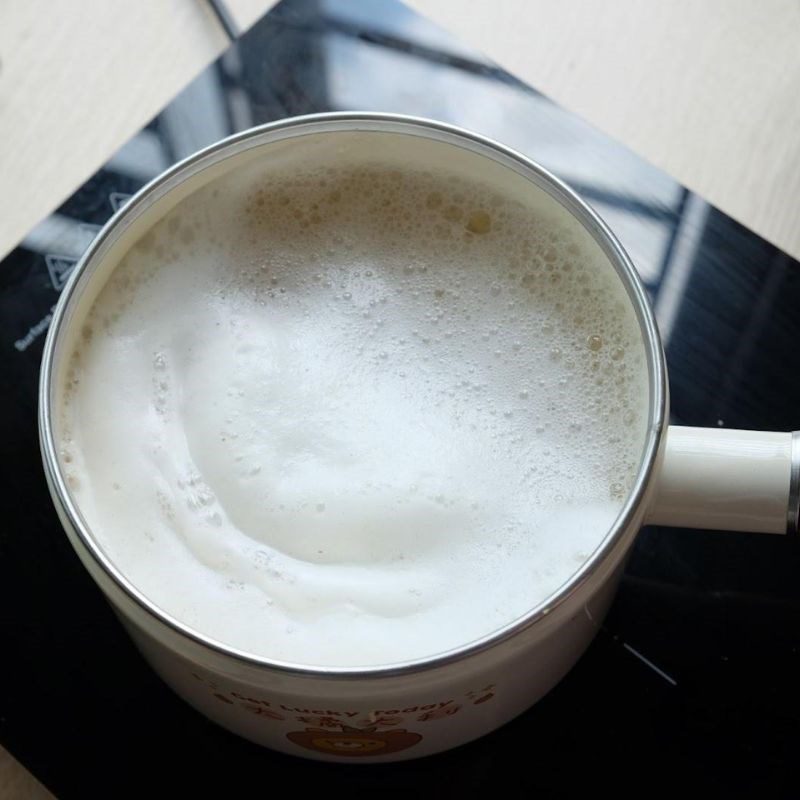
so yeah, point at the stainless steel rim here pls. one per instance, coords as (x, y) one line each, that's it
(386, 123)
(793, 512)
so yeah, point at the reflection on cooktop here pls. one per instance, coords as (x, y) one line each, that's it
(693, 677)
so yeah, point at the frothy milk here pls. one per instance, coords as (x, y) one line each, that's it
(340, 409)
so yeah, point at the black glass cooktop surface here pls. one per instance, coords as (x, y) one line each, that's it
(691, 685)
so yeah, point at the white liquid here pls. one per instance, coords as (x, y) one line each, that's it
(348, 415)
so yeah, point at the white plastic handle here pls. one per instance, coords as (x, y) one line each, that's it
(729, 480)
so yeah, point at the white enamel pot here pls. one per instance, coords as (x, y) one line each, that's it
(724, 479)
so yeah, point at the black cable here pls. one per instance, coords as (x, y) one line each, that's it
(223, 16)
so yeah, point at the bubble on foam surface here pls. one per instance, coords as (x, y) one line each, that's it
(365, 402)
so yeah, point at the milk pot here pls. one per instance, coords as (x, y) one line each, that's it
(688, 477)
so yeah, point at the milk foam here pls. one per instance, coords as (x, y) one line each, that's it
(339, 413)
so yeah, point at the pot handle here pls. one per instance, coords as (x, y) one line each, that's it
(731, 480)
